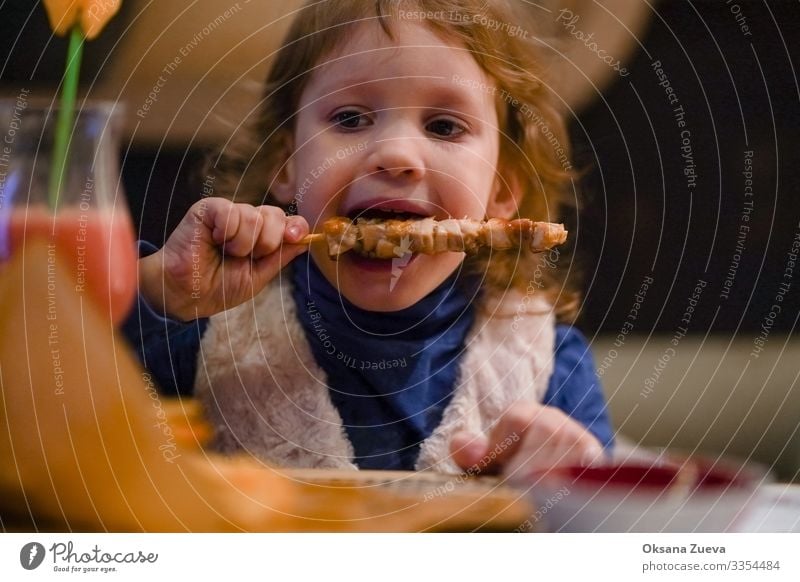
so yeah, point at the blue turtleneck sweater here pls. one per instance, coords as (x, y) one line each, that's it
(390, 375)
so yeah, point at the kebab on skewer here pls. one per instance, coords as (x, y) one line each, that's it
(391, 238)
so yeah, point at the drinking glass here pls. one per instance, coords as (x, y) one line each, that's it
(85, 218)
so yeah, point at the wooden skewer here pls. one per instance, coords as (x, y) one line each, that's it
(311, 238)
(321, 236)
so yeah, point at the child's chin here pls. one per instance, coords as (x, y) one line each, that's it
(382, 300)
(382, 294)
(387, 290)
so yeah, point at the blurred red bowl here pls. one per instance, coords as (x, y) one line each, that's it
(668, 494)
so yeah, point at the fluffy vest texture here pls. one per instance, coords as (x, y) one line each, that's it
(264, 392)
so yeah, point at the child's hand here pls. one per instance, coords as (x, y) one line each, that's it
(220, 255)
(528, 437)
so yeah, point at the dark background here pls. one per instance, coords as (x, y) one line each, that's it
(739, 93)
(636, 217)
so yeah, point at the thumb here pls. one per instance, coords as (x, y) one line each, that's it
(468, 449)
(267, 268)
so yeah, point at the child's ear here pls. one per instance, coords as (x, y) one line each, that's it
(506, 196)
(282, 186)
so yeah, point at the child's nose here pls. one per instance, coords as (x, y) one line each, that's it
(399, 156)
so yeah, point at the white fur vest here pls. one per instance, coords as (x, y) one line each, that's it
(264, 392)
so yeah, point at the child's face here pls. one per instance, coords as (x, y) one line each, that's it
(394, 125)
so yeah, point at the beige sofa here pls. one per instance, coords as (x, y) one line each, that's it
(709, 394)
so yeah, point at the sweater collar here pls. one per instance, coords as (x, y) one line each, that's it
(429, 318)
(390, 375)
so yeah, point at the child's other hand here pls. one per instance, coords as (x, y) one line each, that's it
(528, 437)
(220, 255)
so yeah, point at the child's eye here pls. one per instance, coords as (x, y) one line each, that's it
(445, 127)
(350, 119)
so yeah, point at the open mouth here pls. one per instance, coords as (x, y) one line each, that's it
(366, 259)
(395, 266)
(383, 214)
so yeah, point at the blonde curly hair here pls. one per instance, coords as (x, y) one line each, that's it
(534, 150)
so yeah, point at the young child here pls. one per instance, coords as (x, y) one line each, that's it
(428, 107)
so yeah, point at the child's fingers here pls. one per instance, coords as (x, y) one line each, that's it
(271, 231)
(562, 441)
(468, 449)
(245, 230)
(277, 229)
(570, 449)
(236, 227)
(508, 434)
(250, 222)
(266, 268)
(528, 435)
(296, 228)
(489, 455)
(219, 216)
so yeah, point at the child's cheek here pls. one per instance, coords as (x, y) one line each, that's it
(315, 206)
(468, 205)
(318, 180)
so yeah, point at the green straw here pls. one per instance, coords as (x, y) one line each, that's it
(66, 114)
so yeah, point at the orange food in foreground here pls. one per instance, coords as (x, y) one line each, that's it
(98, 246)
(87, 443)
(92, 15)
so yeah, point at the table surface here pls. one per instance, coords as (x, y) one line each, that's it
(778, 510)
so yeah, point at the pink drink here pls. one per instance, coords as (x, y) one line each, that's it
(98, 245)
